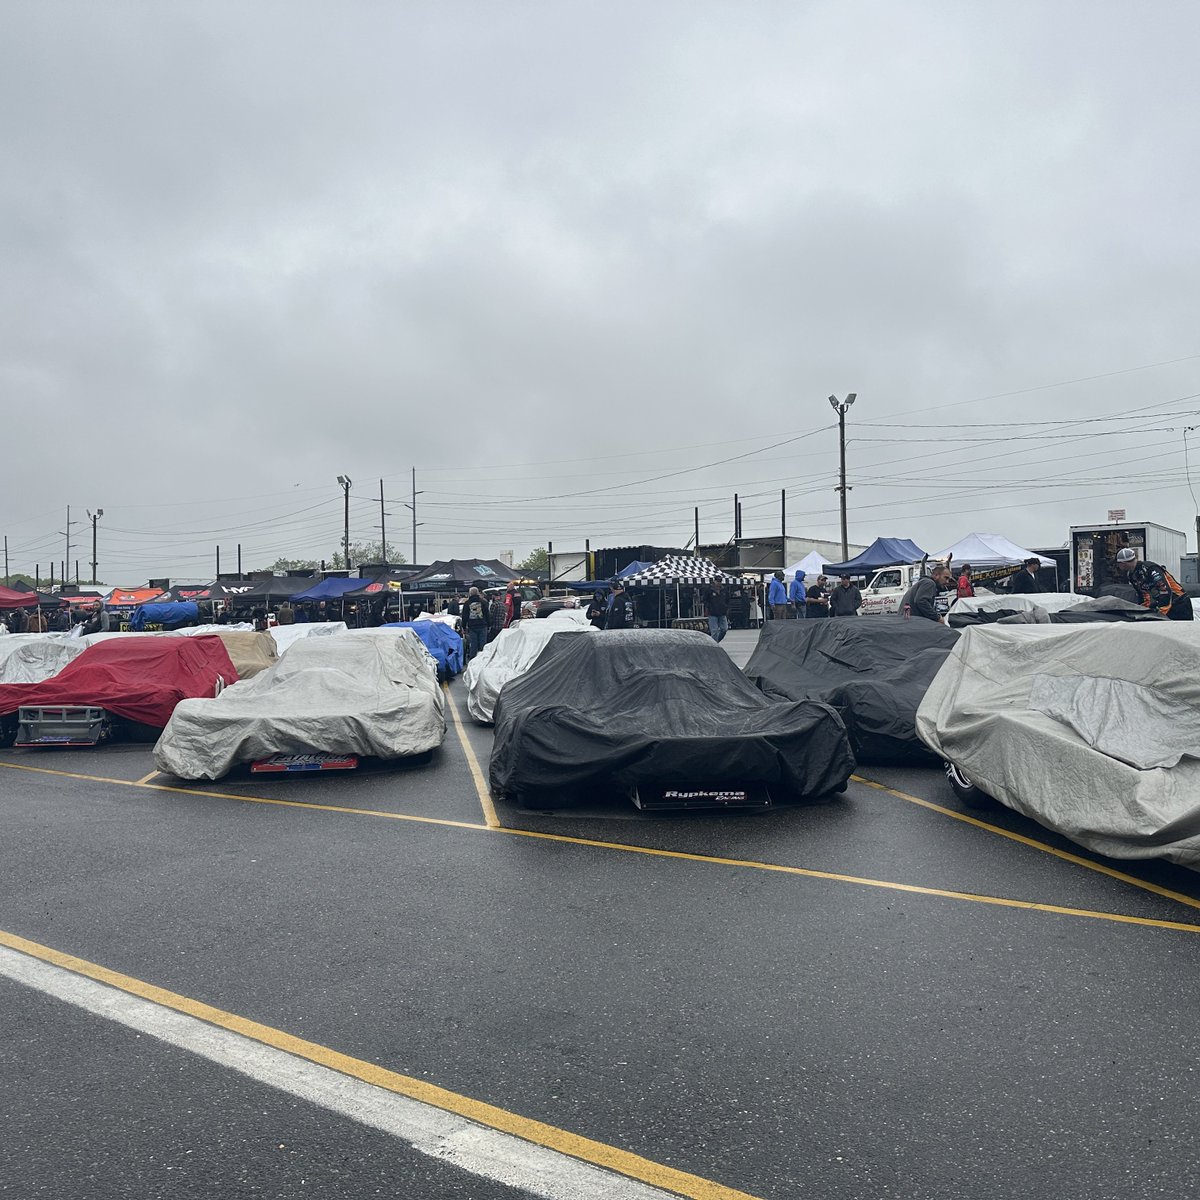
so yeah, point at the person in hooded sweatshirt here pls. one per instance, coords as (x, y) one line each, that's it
(777, 597)
(797, 594)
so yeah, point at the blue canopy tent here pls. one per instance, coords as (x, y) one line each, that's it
(882, 552)
(440, 640)
(330, 589)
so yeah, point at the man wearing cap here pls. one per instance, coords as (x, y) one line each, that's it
(622, 613)
(1156, 587)
(845, 600)
(1025, 581)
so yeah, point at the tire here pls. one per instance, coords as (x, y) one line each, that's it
(965, 791)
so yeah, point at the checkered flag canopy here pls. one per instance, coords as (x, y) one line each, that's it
(674, 570)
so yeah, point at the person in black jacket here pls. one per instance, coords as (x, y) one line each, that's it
(921, 599)
(1157, 589)
(1025, 581)
(622, 613)
(845, 600)
(597, 610)
(477, 618)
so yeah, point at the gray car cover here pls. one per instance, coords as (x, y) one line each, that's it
(1091, 730)
(512, 654)
(357, 693)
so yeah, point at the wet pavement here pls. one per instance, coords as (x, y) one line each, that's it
(871, 997)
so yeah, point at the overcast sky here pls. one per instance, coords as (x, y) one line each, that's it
(569, 259)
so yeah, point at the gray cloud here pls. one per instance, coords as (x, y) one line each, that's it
(250, 247)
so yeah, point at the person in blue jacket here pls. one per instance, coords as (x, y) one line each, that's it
(796, 595)
(777, 596)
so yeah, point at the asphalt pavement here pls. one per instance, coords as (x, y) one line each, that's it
(868, 997)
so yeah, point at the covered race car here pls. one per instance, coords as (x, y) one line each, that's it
(873, 670)
(511, 655)
(662, 717)
(362, 693)
(1093, 731)
(111, 688)
(1049, 608)
(444, 643)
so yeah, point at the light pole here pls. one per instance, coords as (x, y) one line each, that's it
(94, 517)
(1187, 470)
(840, 406)
(347, 483)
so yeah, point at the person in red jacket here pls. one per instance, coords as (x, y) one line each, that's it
(965, 586)
(512, 605)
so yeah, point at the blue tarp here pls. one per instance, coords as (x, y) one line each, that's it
(882, 552)
(633, 568)
(440, 640)
(331, 589)
(170, 616)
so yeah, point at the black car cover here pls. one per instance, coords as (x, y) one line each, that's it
(641, 707)
(873, 670)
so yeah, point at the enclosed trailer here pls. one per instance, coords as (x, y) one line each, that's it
(1094, 551)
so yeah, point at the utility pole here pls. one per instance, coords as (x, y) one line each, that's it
(840, 406)
(737, 518)
(239, 560)
(382, 527)
(66, 533)
(94, 517)
(347, 483)
(696, 543)
(783, 521)
(413, 506)
(6, 560)
(218, 561)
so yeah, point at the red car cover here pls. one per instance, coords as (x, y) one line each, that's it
(139, 678)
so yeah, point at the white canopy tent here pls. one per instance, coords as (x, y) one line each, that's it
(812, 564)
(987, 550)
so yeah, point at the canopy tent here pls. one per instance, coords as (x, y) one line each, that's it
(988, 550)
(329, 589)
(231, 590)
(278, 588)
(186, 591)
(676, 571)
(882, 552)
(458, 574)
(11, 598)
(384, 584)
(129, 597)
(812, 564)
(44, 599)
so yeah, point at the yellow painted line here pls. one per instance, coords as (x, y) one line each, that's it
(833, 876)
(1065, 855)
(481, 788)
(681, 855)
(336, 808)
(538, 1132)
(147, 778)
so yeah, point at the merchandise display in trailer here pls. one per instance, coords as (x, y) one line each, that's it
(1094, 552)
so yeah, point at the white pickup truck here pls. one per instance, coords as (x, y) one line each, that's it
(887, 587)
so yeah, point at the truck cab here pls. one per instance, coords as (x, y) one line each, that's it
(887, 588)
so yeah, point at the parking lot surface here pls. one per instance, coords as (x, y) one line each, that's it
(877, 996)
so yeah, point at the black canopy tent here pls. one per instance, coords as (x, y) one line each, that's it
(459, 574)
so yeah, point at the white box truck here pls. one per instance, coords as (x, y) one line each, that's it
(1094, 551)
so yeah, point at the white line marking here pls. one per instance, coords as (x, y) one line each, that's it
(433, 1131)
